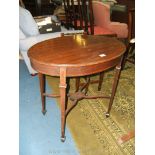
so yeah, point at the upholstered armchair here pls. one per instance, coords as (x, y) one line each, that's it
(29, 35)
(101, 13)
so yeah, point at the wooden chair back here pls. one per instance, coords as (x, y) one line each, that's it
(131, 24)
(130, 52)
(79, 15)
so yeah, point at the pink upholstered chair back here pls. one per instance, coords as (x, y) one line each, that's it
(101, 13)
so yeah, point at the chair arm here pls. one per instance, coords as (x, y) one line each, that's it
(101, 13)
(121, 29)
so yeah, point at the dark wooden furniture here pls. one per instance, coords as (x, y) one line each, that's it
(74, 56)
(39, 7)
(122, 17)
(130, 52)
(79, 15)
(131, 23)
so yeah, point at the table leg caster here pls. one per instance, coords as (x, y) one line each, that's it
(107, 115)
(44, 112)
(63, 139)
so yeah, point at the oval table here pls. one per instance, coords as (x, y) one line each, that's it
(75, 56)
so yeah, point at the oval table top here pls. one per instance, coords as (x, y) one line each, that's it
(80, 54)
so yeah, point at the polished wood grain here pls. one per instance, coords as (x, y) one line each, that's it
(80, 54)
(75, 56)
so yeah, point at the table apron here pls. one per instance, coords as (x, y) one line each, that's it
(74, 71)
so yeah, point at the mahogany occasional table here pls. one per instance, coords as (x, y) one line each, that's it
(75, 56)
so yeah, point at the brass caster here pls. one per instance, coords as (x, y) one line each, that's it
(44, 112)
(63, 139)
(107, 115)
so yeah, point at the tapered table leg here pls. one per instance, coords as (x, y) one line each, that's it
(88, 83)
(100, 81)
(116, 79)
(77, 83)
(42, 90)
(67, 90)
(63, 87)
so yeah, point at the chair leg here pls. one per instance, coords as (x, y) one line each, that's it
(130, 48)
(100, 81)
(125, 57)
(42, 90)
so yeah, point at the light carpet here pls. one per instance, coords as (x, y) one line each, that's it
(95, 134)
